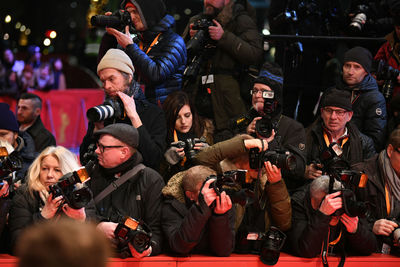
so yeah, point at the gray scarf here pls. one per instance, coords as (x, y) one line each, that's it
(390, 176)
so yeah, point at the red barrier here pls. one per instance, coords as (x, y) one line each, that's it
(235, 260)
(64, 113)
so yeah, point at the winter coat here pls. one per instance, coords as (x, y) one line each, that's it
(376, 196)
(139, 197)
(26, 149)
(239, 47)
(26, 211)
(310, 228)
(369, 110)
(152, 133)
(359, 147)
(41, 136)
(160, 70)
(194, 228)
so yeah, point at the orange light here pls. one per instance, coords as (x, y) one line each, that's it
(3, 152)
(131, 223)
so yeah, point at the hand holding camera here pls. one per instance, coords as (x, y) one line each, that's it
(251, 128)
(209, 194)
(313, 171)
(216, 31)
(351, 223)
(130, 109)
(51, 206)
(108, 228)
(139, 255)
(123, 39)
(331, 203)
(384, 227)
(76, 214)
(273, 172)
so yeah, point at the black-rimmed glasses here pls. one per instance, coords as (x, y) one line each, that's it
(103, 147)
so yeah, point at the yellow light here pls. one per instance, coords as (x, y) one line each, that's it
(18, 25)
(7, 19)
(23, 28)
(46, 42)
(53, 34)
(28, 31)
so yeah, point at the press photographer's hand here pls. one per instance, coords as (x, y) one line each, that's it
(351, 223)
(51, 206)
(223, 203)
(200, 145)
(130, 109)
(273, 173)
(108, 228)
(4, 189)
(384, 227)
(208, 193)
(138, 255)
(76, 214)
(312, 171)
(216, 31)
(192, 32)
(251, 128)
(331, 203)
(123, 39)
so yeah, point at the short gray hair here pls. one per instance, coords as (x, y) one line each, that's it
(321, 185)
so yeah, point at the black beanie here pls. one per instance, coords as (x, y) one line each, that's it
(7, 118)
(272, 76)
(337, 98)
(360, 55)
(151, 11)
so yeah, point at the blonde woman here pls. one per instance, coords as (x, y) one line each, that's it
(32, 202)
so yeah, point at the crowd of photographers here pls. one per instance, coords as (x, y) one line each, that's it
(191, 171)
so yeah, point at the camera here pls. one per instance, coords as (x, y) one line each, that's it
(264, 126)
(396, 233)
(119, 20)
(353, 182)
(360, 18)
(283, 159)
(201, 38)
(110, 108)
(8, 164)
(71, 186)
(389, 74)
(132, 231)
(268, 244)
(188, 146)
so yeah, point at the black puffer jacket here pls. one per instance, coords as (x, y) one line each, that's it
(369, 107)
(161, 69)
(26, 149)
(139, 197)
(359, 147)
(194, 228)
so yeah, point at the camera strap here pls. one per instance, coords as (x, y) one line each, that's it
(121, 180)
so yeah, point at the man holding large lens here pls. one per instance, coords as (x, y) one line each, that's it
(116, 73)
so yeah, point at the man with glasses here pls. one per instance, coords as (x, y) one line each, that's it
(383, 186)
(139, 197)
(334, 126)
(267, 107)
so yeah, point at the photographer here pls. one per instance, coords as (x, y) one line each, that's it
(389, 52)
(271, 202)
(123, 186)
(266, 113)
(34, 203)
(22, 142)
(194, 218)
(159, 54)
(187, 133)
(383, 172)
(232, 44)
(116, 72)
(316, 226)
(334, 126)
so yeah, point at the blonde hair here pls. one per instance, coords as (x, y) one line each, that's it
(67, 160)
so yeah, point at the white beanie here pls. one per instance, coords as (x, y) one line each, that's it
(116, 59)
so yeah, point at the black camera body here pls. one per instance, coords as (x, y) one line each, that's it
(75, 196)
(8, 165)
(283, 159)
(264, 126)
(132, 231)
(188, 146)
(389, 75)
(201, 38)
(119, 20)
(235, 184)
(109, 109)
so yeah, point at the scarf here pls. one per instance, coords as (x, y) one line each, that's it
(390, 176)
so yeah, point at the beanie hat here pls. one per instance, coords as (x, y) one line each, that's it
(272, 76)
(150, 11)
(116, 59)
(7, 118)
(337, 98)
(360, 55)
(123, 132)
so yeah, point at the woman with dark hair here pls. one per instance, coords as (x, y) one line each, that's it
(187, 133)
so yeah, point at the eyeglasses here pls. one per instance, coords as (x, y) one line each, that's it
(338, 112)
(102, 147)
(264, 93)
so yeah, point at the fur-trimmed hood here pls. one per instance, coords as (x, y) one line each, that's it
(174, 188)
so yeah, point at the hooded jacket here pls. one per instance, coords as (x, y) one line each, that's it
(194, 228)
(369, 107)
(161, 68)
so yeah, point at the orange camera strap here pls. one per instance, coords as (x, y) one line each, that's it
(176, 140)
(387, 198)
(151, 45)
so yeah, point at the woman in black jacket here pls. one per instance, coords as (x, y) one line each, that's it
(33, 202)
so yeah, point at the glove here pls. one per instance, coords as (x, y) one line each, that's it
(172, 156)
